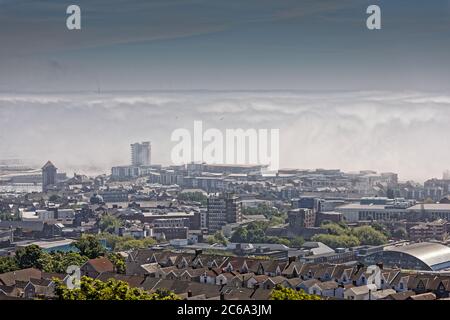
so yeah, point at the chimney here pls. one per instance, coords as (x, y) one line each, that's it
(292, 259)
(189, 293)
(198, 252)
(222, 296)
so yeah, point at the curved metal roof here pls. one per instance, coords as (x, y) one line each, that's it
(432, 254)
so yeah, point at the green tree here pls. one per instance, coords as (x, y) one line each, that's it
(340, 235)
(400, 233)
(163, 294)
(133, 244)
(369, 236)
(193, 197)
(254, 232)
(111, 239)
(218, 237)
(263, 209)
(276, 220)
(118, 262)
(278, 240)
(90, 246)
(297, 242)
(59, 261)
(109, 223)
(334, 241)
(8, 216)
(257, 231)
(210, 240)
(53, 198)
(239, 235)
(29, 257)
(282, 293)
(381, 228)
(92, 289)
(8, 264)
(117, 243)
(335, 229)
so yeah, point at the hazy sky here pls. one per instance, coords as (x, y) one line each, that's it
(216, 44)
(341, 95)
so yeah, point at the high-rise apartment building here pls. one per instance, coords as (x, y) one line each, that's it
(49, 175)
(446, 175)
(140, 154)
(223, 210)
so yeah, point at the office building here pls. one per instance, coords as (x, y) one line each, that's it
(49, 176)
(223, 210)
(436, 230)
(301, 218)
(125, 172)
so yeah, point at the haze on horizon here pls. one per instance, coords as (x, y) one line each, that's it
(382, 131)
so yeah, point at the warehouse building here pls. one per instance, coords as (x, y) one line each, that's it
(425, 256)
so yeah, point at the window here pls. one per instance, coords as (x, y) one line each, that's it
(420, 286)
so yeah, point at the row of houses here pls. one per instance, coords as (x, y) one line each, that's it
(203, 276)
(33, 283)
(339, 281)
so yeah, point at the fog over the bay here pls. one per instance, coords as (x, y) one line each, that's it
(405, 132)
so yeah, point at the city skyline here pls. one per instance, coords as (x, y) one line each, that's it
(383, 131)
(342, 96)
(235, 151)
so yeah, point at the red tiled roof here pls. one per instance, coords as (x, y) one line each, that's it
(101, 264)
(10, 278)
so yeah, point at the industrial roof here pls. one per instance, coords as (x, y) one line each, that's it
(357, 206)
(432, 254)
(431, 206)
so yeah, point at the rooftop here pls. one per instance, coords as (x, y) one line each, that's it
(432, 254)
(49, 164)
(357, 206)
(431, 206)
(51, 244)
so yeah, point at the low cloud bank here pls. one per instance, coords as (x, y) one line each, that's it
(403, 132)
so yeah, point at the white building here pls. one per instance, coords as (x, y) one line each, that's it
(360, 293)
(140, 154)
(38, 215)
